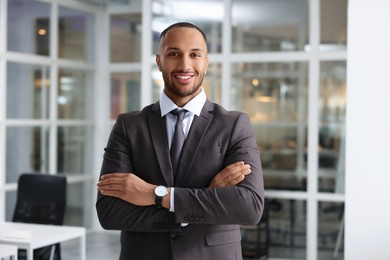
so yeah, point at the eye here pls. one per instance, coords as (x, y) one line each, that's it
(173, 54)
(195, 55)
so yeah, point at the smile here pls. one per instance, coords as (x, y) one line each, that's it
(183, 76)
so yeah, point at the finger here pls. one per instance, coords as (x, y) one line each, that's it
(104, 184)
(232, 180)
(114, 179)
(109, 182)
(234, 165)
(237, 166)
(111, 193)
(246, 171)
(113, 175)
(236, 180)
(238, 176)
(236, 171)
(241, 167)
(110, 185)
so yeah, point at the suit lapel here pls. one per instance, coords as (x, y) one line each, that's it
(198, 129)
(158, 132)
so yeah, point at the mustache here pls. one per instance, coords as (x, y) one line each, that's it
(183, 71)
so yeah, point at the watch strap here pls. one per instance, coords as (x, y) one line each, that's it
(158, 201)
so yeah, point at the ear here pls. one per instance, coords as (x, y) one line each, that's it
(207, 65)
(158, 62)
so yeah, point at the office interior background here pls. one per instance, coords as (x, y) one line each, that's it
(68, 68)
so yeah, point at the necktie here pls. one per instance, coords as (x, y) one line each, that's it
(178, 138)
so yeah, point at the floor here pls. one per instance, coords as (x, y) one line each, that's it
(100, 245)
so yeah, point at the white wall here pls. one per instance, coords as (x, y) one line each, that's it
(367, 233)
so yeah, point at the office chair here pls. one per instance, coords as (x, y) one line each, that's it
(255, 240)
(41, 199)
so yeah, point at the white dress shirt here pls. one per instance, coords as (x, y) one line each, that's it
(194, 107)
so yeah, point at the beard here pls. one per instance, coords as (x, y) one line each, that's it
(180, 91)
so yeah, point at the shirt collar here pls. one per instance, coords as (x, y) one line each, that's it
(194, 106)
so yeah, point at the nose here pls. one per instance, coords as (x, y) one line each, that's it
(184, 63)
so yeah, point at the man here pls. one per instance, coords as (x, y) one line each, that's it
(194, 211)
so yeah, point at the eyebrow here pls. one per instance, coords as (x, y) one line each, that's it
(177, 49)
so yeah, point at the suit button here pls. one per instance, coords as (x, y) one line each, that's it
(175, 236)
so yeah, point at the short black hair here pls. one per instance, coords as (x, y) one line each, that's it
(182, 24)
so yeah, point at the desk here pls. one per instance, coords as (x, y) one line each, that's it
(33, 236)
(8, 250)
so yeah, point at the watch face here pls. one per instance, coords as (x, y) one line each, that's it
(161, 191)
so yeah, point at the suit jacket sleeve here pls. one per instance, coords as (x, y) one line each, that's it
(241, 204)
(116, 214)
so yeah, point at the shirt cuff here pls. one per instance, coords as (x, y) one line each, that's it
(172, 200)
(172, 208)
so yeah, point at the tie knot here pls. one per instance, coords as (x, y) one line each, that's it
(179, 113)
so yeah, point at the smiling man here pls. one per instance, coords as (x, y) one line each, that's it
(187, 204)
(183, 61)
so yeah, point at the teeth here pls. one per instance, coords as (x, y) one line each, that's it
(183, 77)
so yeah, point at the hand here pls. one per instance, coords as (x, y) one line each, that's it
(231, 175)
(128, 187)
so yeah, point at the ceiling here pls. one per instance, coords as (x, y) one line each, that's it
(103, 3)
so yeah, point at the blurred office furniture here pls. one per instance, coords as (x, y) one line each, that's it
(8, 252)
(33, 236)
(337, 209)
(331, 228)
(255, 239)
(41, 199)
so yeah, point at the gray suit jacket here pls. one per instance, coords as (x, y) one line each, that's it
(138, 144)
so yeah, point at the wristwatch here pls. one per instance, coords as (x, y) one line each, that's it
(160, 192)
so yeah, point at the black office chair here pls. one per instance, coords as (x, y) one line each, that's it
(41, 199)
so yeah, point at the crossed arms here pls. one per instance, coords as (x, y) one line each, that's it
(131, 188)
(233, 195)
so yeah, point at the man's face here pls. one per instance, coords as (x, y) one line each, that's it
(183, 62)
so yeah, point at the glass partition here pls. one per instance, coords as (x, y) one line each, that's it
(332, 112)
(28, 27)
(286, 223)
(27, 150)
(79, 205)
(125, 92)
(74, 149)
(268, 25)
(212, 83)
(74, 94)
(333, 15)
(275, 97)
(330, 230)
(28, 91)
(208, 15)
(125, 37)
(49, 119)
(75, 35)
(10, 202)
(157, 83)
